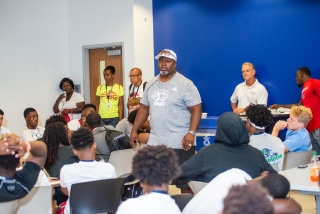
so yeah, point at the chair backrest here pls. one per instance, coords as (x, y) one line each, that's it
(37, 201)
(196, 186)
(182, 200)
(122, 161)
(101, 196)
(294, 159)
(8, 207)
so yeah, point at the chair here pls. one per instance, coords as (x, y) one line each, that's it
(294, 159)
(101, 196)
(182, 199)
(196, 186)
(9, 207)
(122, 161)
(38, 200)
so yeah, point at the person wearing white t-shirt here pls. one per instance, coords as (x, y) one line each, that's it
(155, 167)
(78, 123)
(3, 130)
(260, 117)
(69, 103)
(248, 92)
(32, 131)
(88, 169)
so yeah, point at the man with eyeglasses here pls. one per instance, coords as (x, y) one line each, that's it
(137, 85)
(174, 105)
(248, 92)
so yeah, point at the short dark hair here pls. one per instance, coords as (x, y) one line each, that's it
(1, 112)
(93, 120)
(132, 116)
(277, 185)
(111, 68)
(305, 70)
(66, 79)
(89, 106)
(260, 115)
(250, 199)
(81, 139)
(56, 118)
(27, 111)
(155, 165)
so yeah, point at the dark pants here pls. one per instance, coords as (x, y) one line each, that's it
(184, 155)
(110, 121)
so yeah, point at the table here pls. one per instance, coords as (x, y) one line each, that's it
(300, 180)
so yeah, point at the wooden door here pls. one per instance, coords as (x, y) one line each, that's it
(98, 60)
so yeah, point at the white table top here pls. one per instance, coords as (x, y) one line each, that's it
(300, 180)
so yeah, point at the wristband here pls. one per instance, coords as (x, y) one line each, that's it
(193, 133)
(27, 144)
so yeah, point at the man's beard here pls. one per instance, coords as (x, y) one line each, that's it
(164, 73)
(299, 85)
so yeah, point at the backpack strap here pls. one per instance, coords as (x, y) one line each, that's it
(144, 85)
(130, 86)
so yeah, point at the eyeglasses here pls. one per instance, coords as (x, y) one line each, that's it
(165, 53)
(136, 75)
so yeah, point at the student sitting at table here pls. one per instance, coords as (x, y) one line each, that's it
(259, 118)
(297, 137)
(17, 184)
(278, 187)
(32, 130)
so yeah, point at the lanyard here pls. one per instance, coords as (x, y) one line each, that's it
(134, 94)
(36, 134)
(108, 93)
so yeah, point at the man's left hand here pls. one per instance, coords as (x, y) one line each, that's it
(188, 141)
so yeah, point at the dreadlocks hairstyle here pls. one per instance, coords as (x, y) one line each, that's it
(56, 118)
(54, 135)
(155, 165)
(82, 139)
(260, 115)
(250, 199)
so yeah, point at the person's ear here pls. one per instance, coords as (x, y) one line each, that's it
(75, 152)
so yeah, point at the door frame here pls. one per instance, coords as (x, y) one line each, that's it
(85, 61)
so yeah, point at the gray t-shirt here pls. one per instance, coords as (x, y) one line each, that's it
(124, 126)
(168, 107)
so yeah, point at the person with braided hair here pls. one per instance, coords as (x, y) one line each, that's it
(59, 153)
(259, 118)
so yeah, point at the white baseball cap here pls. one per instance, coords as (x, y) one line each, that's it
(167, 53)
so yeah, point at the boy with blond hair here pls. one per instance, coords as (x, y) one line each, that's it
(297, 136)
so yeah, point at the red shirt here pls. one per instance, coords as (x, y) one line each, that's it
(310, 97)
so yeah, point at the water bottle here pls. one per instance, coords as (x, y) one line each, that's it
(314, 167)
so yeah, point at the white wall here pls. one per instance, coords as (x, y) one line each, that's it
(33, 57)
(41, 42)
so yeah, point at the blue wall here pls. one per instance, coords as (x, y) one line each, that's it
(213, 38)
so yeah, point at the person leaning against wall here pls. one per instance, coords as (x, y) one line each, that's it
(310, 97)
(110, 98)
(248, 92)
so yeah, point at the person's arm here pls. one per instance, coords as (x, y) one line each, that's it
(286, 205)
(141, 118)
(121, 108)
(234, 106)
(276, 106)
(188, 139)
(280, 125)
(78, 109)
(64, 190)
(56, 104)
(38, 153)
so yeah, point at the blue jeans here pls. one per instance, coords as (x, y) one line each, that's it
(110, 121)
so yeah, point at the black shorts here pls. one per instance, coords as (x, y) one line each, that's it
(183, 155)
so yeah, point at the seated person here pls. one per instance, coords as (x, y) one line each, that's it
(155, 167)
(32, 131)
(124, 125)
(230, 150)
(220, 186)
(59, 153)
(144, 131)
(3, 130)
(250, 199)
(278, 187)
(297, 137)
(87, 169)
(248, 92)
(17, 184)
(77, 123)
(259, 117)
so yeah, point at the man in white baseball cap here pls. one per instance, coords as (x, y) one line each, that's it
(174, 105)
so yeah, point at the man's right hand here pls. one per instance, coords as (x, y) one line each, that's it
(275, 106)
(133, 138)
